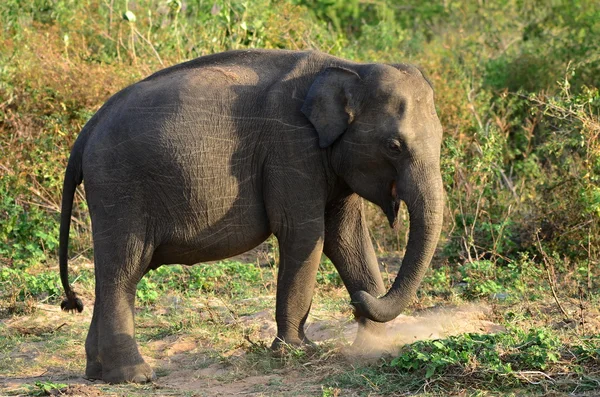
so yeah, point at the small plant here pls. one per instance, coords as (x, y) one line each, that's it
(330, 392)
(46, 388)
(147, 291)
(480, 279)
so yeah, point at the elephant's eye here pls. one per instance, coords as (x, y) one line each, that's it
(394, 146)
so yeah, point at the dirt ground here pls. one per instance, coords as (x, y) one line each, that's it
(186, 367)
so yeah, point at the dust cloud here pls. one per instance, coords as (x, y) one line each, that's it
(434, 323)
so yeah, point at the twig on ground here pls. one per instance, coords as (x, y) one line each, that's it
(59, 327)
(581, 311)
(550, 281)
(247, 337)
(526, 375)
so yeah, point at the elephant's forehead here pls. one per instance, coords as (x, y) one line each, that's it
(406, 86)
(409, 101)
(410, 98)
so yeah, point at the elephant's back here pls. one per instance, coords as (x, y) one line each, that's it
(269, 64)
(181, 119)
(223, 97)
(174, 144)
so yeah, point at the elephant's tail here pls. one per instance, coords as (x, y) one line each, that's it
(73, 177)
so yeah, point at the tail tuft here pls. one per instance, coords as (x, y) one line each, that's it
(72, 303)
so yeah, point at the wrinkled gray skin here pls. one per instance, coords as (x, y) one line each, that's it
(206, 159)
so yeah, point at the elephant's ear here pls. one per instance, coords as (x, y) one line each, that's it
(329, 105)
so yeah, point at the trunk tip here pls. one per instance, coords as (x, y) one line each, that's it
(376, 309)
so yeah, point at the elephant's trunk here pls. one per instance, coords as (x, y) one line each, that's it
(426, 214)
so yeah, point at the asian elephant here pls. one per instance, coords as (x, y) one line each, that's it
(206, 159)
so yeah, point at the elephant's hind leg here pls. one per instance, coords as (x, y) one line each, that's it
(93, 368)
(120, 262)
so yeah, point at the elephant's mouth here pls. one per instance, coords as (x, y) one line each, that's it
(393, 206)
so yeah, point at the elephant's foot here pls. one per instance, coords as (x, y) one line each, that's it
(139, 373)
(93, 370)
(371, 340)
(367, 342)
(283, 345)
(369, 331)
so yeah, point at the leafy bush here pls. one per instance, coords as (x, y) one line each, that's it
(19, 285)
(27, 233)
(498, 363)
(490, 355)
(571, 169)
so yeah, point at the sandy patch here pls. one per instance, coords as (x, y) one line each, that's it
(185, 365)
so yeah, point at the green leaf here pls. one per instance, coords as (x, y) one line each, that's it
(430, 372)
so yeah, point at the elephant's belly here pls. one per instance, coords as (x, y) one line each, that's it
(220, 248)
(230, 236)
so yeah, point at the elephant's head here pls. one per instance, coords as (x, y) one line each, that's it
(384, 136)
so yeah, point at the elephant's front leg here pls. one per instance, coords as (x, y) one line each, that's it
(348, 245)
(300, 251)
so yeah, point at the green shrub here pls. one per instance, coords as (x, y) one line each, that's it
(490, 355)
(27, 233)
(501, 364)
(18, 285)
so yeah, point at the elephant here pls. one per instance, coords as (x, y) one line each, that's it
(206, 159)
